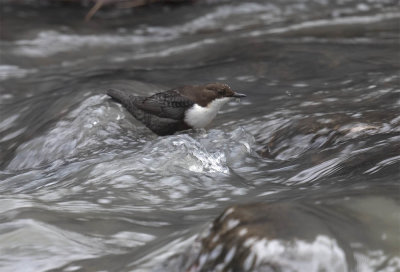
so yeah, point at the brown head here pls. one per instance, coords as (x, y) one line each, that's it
(204, 94)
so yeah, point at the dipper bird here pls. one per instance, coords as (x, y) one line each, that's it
(177, 109)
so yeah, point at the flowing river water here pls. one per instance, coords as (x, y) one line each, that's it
(302, 175)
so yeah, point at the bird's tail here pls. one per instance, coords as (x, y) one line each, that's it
(118, 96)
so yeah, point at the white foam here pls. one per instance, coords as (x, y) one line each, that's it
(130, 239)
(377, 260)
(82, 128)
(321, 170)
(10, 71)
(322, 254)
(51, 42)
(350, 20)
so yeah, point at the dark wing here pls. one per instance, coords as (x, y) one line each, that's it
(169, 104)
(158, 124)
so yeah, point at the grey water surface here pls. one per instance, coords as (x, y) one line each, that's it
(85, 187)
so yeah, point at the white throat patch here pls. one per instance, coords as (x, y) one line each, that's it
(199, 117)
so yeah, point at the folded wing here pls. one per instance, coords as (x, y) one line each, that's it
(163, 113)
(169, 104)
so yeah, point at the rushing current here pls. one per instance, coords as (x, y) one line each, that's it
(302, 175)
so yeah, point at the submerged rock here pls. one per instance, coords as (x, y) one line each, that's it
(263, 237)
(304, 133)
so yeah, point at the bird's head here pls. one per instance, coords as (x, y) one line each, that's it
(221, 90)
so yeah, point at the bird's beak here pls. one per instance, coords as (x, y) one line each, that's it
(238, 95)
